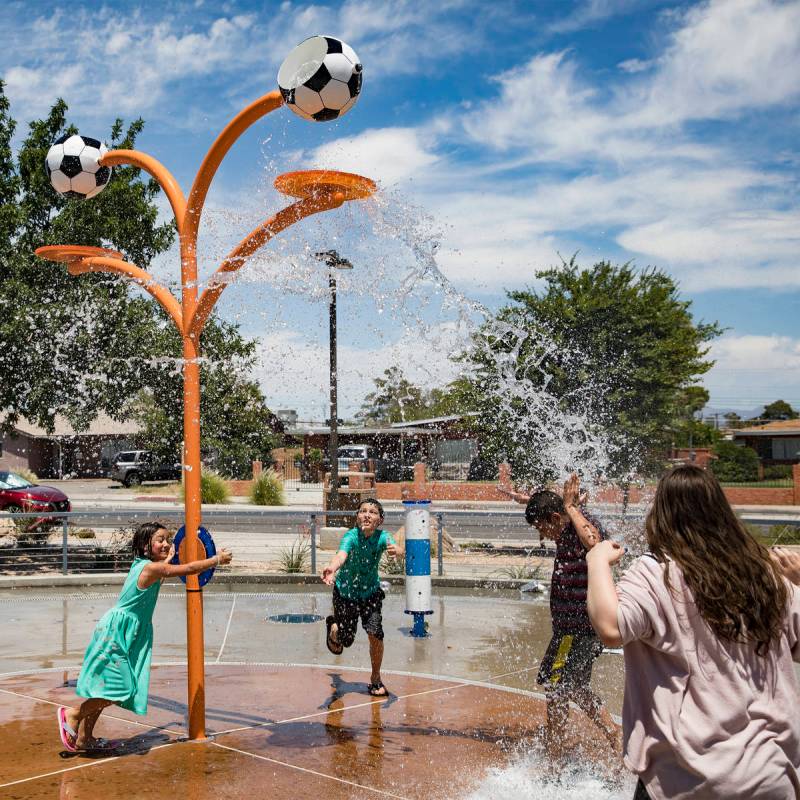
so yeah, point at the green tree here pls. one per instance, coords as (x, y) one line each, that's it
(396, 399)
(780, 409)
(236, 422)
(606, 349)
(76, 346)
(66, 340)
(734, 463)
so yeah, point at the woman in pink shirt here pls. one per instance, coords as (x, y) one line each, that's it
(710, 627)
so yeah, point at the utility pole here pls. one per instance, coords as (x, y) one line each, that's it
(333, 261)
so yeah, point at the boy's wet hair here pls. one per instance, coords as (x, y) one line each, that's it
(374, 502)
(142, 536)
(541, 505)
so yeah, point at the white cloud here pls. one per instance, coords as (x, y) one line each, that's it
(754, 370)
(388, 155)
(726, 56)
(422, 358)
(136, 61)
(590, 12)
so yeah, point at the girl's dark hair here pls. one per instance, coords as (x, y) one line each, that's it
(541, 505)
(737, 588)
(374, 502)
(142, 536)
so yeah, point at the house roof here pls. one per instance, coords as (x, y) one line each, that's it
(781, 427)
(102, 425)
(352, 430)
(434, 420)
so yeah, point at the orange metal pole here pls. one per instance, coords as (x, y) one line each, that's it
(136, 274)
(192, 510)
(190, 319)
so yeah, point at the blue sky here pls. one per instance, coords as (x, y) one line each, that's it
(502, 134)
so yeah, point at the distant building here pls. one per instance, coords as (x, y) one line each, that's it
(65, 451)
(775, 442)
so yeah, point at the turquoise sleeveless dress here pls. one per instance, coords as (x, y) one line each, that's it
(116, 665)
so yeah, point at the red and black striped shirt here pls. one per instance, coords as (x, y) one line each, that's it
(570, 582)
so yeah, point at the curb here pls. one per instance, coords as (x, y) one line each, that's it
(276, 579)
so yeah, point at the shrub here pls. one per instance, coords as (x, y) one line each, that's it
(523, 572)
(778, 472)
(28, 474)
(734, 464)
(294, 559)
(267, 490)
(392, 566)
(315, 456)
(213, 488)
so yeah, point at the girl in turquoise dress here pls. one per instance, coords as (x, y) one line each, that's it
(116, 666)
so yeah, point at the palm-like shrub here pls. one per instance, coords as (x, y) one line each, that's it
(267, 490)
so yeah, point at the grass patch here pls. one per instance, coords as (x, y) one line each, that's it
(295, 559)
(474, 546)
(267, 490)
(161, 488)
(776, 534)
(213, 488)
(392, 566)
(523, 572)
(84, 533)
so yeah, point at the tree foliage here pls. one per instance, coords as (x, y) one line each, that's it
(734, 463)
(77, 346)
(396, 399)
(780, 409)
(615, 349)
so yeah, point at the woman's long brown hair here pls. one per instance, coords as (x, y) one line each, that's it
(737, 588)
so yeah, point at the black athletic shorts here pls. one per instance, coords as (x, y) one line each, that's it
(347, 612)
(568, 661)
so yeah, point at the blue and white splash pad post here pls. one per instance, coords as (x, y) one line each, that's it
(418, 563)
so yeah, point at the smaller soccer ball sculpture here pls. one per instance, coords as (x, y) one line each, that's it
(73, 166)
(321, 78)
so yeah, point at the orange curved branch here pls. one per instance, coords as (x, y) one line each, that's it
(232, 131)
(252, 242)
(155, 168)
(137, 275)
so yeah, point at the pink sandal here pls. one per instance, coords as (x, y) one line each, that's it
(68, 736)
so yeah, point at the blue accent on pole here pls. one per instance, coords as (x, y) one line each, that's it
(416, 502)
(419, 624)
(205, 539)
(418, 557)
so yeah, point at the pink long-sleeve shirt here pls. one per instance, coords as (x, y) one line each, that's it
(705, 718)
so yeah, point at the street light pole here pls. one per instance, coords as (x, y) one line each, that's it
(334, 261)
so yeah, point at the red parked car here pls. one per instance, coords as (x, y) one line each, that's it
(20, 495)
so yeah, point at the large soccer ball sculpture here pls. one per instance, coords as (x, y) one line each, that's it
(73, 166)
(321, 78)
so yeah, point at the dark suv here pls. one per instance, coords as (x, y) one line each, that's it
(386, 469)
(132, 467)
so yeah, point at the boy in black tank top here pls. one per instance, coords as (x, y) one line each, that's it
(566, 668)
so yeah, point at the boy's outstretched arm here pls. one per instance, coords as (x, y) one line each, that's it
(602, 600)
(329, 573)
(518, 497)
(587, 532)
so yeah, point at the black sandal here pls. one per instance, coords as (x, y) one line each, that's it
(378, 689)
(335, 647)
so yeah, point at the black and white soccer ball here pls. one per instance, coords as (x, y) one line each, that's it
(73, 166)
(321, 78)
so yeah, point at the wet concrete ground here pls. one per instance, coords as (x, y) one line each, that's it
(287, 717)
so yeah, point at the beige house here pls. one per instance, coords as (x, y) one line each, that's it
(65, 451)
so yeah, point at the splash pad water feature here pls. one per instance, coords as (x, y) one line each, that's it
(317, 191)
(452, 711)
